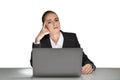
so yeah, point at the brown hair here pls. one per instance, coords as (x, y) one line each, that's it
(45, 13)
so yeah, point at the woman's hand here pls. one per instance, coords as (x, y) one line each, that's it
(87, 69)
(42, 33)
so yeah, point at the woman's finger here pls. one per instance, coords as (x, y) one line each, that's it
(86, 69)
(44, 24)
(89, 69)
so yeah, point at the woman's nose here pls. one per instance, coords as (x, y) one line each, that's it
(53, 23)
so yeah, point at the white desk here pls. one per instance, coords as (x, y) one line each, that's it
(26, 74)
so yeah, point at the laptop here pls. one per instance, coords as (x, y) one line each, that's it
(57, 62)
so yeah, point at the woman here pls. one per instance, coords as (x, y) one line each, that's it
(51, 36)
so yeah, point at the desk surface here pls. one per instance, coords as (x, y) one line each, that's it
(26, 74)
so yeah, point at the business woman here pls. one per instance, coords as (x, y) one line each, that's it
(51, 36)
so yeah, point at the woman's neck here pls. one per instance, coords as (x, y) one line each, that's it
(55, 37)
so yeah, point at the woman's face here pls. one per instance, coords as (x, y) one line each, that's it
(52, 23)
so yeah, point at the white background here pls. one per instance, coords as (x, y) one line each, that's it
(96, 23)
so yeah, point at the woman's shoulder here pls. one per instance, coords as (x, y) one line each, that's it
(68, 33)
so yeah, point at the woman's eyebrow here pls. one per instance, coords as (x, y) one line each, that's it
(56, 18)
(49, 20)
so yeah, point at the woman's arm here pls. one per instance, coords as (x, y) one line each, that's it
(88, 65)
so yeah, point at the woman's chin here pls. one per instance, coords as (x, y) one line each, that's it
(55, 31)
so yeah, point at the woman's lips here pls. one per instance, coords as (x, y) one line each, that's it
(55, 27)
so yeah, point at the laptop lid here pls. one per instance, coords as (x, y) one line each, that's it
(57, 62)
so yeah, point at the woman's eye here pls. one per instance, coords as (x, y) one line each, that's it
(56, 20)
(49, 22)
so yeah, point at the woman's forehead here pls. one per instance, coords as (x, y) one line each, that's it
(50, 16)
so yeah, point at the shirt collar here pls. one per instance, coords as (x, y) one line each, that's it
(59, 43)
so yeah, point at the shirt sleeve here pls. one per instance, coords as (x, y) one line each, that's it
(36, 45)
(36, 42)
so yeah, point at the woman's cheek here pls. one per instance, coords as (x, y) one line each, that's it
(50, 29)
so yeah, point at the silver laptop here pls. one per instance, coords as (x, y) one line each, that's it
(57, 62)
